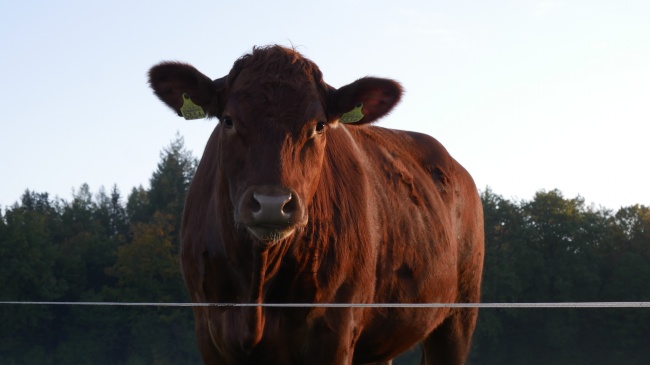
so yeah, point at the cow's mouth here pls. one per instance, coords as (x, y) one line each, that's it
(271, 233)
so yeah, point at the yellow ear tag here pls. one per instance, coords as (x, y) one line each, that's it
(190, 110)
(353, 115)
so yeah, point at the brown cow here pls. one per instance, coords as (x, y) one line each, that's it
(290, 205)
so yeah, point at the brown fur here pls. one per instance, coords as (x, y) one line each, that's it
(376, 216)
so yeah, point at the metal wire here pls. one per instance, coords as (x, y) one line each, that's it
(348, 305)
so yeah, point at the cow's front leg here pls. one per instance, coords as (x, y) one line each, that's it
(209, 351)
(332, 337)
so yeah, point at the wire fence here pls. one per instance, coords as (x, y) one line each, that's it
(345, 305)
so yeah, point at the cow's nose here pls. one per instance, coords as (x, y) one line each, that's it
(271, 213)
(272, 209)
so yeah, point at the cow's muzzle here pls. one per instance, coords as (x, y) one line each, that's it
(271, 213)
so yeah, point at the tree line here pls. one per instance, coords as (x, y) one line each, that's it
(98, 248)
(555, 249)
(104, 247)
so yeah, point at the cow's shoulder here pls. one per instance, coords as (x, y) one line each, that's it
(423, 151)
(432, 157)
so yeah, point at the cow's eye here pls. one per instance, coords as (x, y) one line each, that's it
(320, 127)
(227, 122)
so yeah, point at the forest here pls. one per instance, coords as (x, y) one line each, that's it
(106, 247)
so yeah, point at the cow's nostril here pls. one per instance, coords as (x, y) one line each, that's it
(289, 207)
(254, 205)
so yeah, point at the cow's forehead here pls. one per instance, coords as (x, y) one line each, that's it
(274, 85)
(263, 92)
(277, 99)
(291, 108)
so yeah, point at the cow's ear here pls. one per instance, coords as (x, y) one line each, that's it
(364, 101)
(175, 82)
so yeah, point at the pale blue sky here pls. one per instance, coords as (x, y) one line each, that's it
(526, 94)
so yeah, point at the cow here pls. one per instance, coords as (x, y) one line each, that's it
(298, 199)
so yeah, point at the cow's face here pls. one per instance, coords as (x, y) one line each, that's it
(273, 136)
(275, 113)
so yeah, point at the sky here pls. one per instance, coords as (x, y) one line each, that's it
(527, 95)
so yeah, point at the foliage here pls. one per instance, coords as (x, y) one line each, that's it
(105, 248)
(553, 249)
(95, 248)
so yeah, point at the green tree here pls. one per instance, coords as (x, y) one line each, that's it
(112, 214)
(168, 185)
(502, 283)
(559, 263)
(147, 270)
(88, 247)
(632, 225)
(170, 181)
(137, 206)
(27, 273)
(626, 273)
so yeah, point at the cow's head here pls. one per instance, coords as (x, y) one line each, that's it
(274, 113)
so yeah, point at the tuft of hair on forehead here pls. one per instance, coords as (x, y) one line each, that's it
(276, 63)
